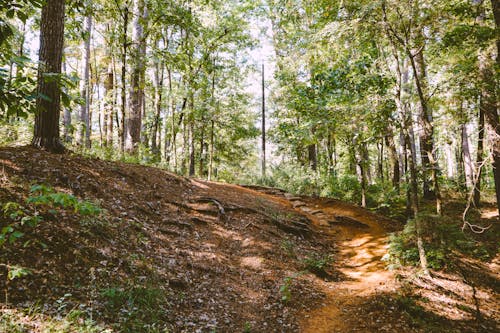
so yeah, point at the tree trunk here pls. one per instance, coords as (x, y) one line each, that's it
(83, 127)
(393, 158)
(67, 131)
(479, 159)
(466, 156)
(46, 130)
(158, 79)
(134, 121)
(210, 164)
(263, 123)
(429, 163)
(488, 102)
(109, 84)
(121, 128)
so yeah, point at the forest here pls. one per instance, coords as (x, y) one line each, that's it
(249, 165)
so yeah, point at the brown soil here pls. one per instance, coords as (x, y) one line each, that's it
(220, 254)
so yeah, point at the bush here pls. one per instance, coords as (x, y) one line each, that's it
(441, 236)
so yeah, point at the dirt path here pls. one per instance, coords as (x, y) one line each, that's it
(361, 239)
(361, 248)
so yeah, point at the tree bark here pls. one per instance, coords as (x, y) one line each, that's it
(121, 128)
(134, 120)
(393, 158)
(479, 159)
(83, 129)
(158, 80)
(466, 156)
(48, 102)
(108, 104)
(489, 99)
(67, 130)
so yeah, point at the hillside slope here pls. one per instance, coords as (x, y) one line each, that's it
(171, 254)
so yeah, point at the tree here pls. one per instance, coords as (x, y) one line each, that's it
(134, 121)
(48, 103)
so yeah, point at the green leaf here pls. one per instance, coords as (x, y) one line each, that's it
(15, 236)
(17, 272)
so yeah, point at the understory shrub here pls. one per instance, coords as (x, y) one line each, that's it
(441, 235)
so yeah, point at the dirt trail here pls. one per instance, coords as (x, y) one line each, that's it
(361, 239)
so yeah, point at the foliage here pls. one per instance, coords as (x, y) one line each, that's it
(288, 247)
(317, 263)
(442, 236)
(15, 321)
(46, 196)
(286, 289)
(43, 199)
(135, 308)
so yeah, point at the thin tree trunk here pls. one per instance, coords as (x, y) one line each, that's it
(468, 167)
(211, 162)
(263, 123)
(134, 121)
(158, 78)
(108, 104)
(393, 158)
(83, 132)
(121, 128)
(479, 159)
(67, 131)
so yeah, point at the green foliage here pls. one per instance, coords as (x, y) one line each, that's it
(46, 196)
(135, 309)
(317, 263)
(441, 235)
(34, 319)
(43, 199)
(286, 289)
(247, 328)
(288, 247)
(16, 272)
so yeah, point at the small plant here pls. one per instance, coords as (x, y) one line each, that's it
(46, 196)
(288, 247)
(285, 289)
(136, 309)
(316, 263)
(247, 327)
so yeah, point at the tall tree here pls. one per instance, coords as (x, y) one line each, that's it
(84, 129)
(48, 103)
(134, 121)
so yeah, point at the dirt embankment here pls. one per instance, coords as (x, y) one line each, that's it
(225, 258)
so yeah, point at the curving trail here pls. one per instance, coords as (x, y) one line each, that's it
(361, 240)
(361, 248)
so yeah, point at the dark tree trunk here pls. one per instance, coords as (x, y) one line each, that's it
(108, 105)
(489, 103)
(121, 128)
(312, 156)
(429, 162)
(393, 158)
(46, 132)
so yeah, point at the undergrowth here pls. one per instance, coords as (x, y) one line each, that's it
(442, 237)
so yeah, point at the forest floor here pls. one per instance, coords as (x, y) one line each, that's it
(172, 254)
